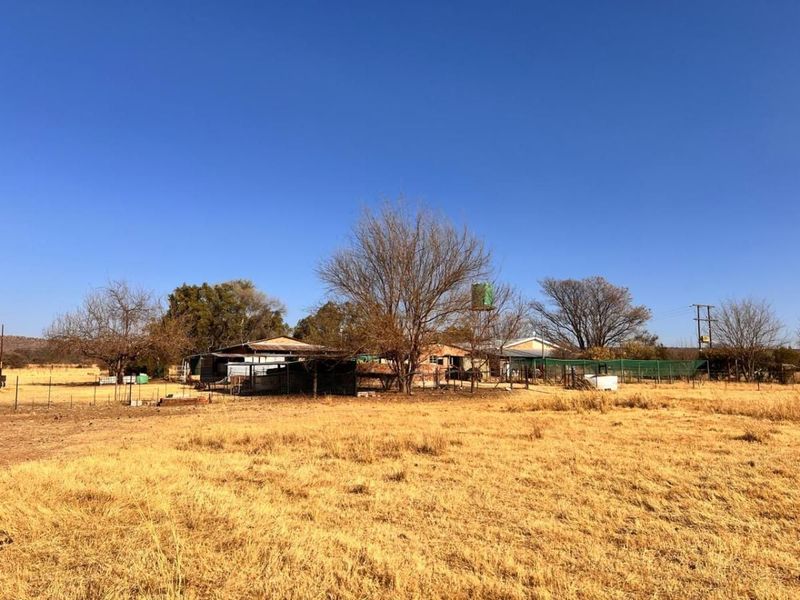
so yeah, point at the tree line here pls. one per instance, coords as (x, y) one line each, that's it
(123, 327)
(401, 284)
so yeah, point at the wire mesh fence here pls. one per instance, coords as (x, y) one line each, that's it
(31, 389)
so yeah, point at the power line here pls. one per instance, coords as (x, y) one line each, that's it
(668, 315)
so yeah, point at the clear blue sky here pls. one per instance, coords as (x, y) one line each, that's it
(655, 143)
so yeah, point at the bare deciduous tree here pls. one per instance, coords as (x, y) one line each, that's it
(169, 340)
(407, 276)
(588, 313)
(111, 327)
(747, 328)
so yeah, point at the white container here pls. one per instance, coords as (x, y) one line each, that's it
(605, 383)
(244, 369)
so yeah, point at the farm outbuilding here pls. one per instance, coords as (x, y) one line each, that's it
(280, 365)
(511, 356)
(534, 346)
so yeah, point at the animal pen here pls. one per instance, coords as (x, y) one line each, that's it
(312, 376)
(569, 371)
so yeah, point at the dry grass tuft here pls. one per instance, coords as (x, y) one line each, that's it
(640, 400)
(434, 444)
(361, 487)
(397, 475)
(754, 434)
(576, 402)
(226, 439)
(764, 407)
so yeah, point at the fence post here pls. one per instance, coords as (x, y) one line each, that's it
(16, 394)
(49, 385)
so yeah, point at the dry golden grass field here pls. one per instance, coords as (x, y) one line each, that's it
(62, 386)
(667, 492)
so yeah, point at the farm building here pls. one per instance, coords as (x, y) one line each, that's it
(516, 354)
(275, 365)
(442, 362)
(535, 345)
(508, 356)
(438, 362)
(443, 357)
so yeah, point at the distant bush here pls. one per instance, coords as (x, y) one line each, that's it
(14, 360)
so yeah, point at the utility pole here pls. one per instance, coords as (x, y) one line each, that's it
(710, 328)
(701, 339)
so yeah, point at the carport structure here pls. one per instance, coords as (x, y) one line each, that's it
(280, 365)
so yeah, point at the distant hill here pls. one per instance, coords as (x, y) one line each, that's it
(20, 350)
(16, 343)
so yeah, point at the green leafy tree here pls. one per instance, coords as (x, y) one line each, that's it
(332, 324)
(223, 314)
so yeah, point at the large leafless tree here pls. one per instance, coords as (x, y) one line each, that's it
(747, 328)
(112, 326)
(587, 313)
(407, 275)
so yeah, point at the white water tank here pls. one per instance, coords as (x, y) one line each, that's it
(606, 383)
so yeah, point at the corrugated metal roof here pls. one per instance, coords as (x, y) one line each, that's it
(521, 353)
(279, 347)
